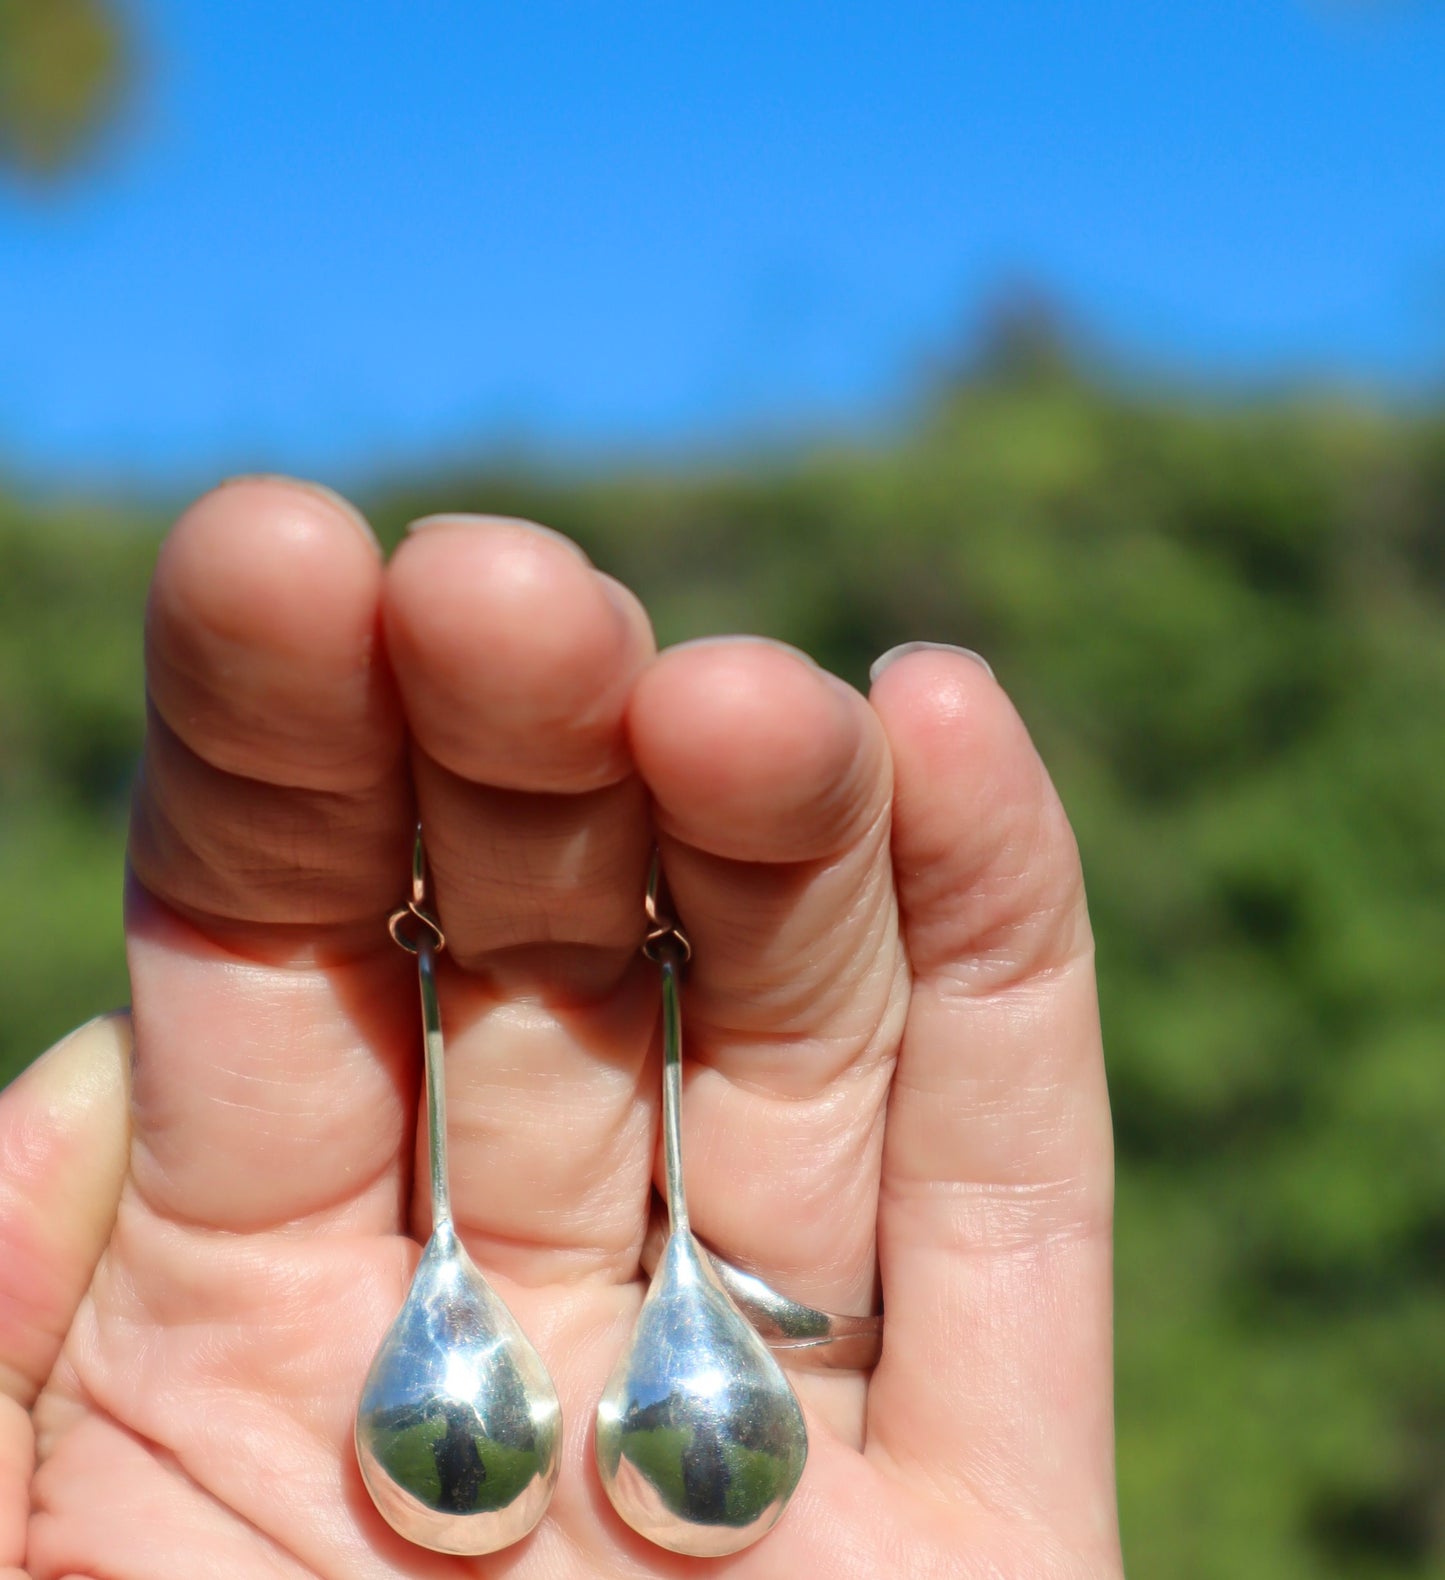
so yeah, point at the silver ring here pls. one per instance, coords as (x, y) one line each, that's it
(799, 1335)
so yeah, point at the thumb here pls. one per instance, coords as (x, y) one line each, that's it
(64, 1139)
(64, 1142)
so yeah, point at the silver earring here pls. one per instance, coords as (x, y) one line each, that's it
(700, 1439)
(458, 1427)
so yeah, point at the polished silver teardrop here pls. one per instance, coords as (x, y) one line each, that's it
(458, 1429)
(700, 1440)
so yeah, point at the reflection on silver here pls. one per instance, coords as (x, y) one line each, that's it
(458, 1424)
(700, 1439)
(801, 1336)
(458, 1428)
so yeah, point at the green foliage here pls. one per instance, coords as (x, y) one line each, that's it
(409, 1457)
(754, 1480)
(1225, 627)
(72, 587)
(62, 64)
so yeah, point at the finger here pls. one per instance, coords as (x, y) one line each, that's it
(268, 842)
(64, 1126)
(771, 783)
(63, 1135)
(515, 659)
(997, 1184)
(271, 772)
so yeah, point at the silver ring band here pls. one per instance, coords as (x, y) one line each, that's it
(799, 1335)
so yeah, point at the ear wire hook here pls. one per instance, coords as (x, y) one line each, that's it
(665, 939)
(414, 924)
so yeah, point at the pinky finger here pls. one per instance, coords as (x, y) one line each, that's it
(64, 1139)
(995, 1210)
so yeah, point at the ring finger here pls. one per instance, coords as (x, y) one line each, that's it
(771, 787)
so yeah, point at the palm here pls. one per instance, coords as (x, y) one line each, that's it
(307, 704)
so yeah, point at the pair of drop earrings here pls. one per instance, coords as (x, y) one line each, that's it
(699, 1439)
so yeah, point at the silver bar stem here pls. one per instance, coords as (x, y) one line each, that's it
(436, 1085)
(672, 1095)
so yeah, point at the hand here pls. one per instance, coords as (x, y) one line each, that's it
(894, 1079)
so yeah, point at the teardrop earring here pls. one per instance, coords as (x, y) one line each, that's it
(700, 1439)
(458, 1427)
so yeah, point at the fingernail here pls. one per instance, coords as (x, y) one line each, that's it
(905, 648)
(72, 1070)
(320, 490)
(622, 599)
(742, 639)
(465, 518)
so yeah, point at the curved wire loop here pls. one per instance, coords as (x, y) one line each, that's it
(414, 924)
(664, 939)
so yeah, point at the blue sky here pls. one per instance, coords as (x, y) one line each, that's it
(339, 237)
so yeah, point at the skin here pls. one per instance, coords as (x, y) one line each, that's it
(894, 1079)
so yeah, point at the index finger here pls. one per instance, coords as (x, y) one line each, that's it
(269, 840)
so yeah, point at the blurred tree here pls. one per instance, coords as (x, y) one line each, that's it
(62, 66)
(1026, 338)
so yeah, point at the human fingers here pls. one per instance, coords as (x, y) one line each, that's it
(268, 840)
(515, 659)
(64, 1127)
(995, 1210)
